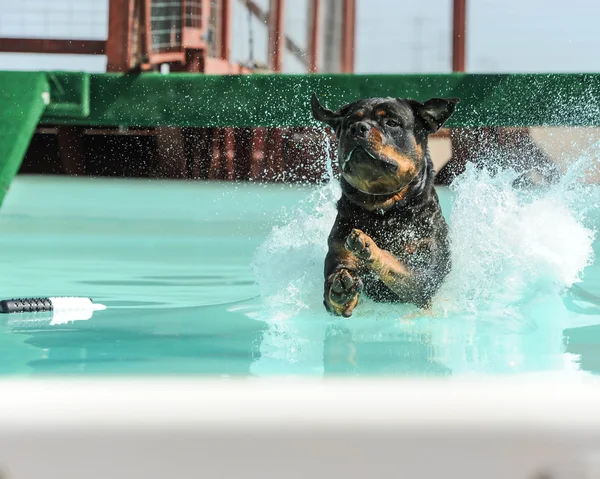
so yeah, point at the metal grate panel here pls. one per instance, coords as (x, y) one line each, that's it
(166, 22)
(193, 13)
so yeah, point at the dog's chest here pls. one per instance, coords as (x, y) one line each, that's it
(399, 234)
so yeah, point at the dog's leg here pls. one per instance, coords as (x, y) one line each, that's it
(342, 282)
(392, 272)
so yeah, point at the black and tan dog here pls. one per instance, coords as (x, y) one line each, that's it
(389, 237)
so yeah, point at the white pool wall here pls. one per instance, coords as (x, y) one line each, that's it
(154, 428)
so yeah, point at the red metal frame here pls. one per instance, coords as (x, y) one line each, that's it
(125, 14)
(193, 54)
(167, 57)
(257, 153)
(219, 66)
(226, 9)
(313, 57)
(38, 45)
(276, 34)
(459, 35)
(223, 148)
(229, 137)
(118, 44)
(146, 20)
(192, 36)
(348, 36)
(71, 149)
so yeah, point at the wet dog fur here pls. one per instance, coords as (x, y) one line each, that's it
(389, 240)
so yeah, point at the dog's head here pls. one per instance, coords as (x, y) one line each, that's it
(383, 141)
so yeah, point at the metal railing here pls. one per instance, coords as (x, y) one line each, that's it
(190, 35)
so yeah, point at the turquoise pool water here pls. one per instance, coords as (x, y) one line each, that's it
(172, 262)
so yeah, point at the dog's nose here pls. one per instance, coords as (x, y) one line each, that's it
(360, 129)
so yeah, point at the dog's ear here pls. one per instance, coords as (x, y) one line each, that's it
(434, 112)
(324, 115)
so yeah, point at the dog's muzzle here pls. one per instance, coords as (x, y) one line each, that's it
(359, 150)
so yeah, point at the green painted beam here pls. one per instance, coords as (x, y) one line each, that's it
(23, 98)
(151, 99)
(69, 95)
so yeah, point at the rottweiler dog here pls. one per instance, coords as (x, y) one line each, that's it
(389, 239)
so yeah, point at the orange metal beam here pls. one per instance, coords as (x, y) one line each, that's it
(348, 36)
(146, 18)
(38, 45)
(225, 29)
(118, 44)
(218, 66)
(276, 34)
(313, 58)
(167, 57)
(459, 35)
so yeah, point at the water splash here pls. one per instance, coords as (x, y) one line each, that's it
(505, 242)
(515, 252)
(508, 244)
(288, 266)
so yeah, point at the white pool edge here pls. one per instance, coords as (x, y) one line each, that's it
(183, 427)
(300, 403)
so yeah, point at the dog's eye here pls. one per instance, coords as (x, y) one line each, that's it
(392, 123)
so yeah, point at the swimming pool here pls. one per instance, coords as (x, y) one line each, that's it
(173, 263)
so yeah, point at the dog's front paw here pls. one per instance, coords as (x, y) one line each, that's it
(359, 244)
(341, 293)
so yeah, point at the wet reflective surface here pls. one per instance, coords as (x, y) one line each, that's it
(172, 263)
